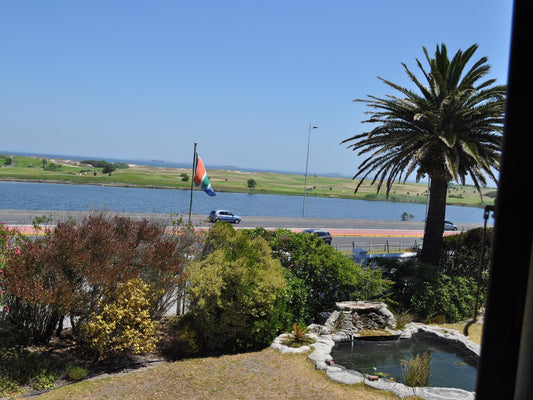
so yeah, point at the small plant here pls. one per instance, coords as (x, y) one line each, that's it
(299, 336)
(37, 222)
(76, 373)
(403, 319)
(7, 385)
(415, 371)
(43, 380)
(338, 323)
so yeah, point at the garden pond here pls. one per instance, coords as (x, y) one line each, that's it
(451, 364)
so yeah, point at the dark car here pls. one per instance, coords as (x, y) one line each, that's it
(223, 215)
(321, 233)
(449, 225)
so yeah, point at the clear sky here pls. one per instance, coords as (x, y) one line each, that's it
(244, 79)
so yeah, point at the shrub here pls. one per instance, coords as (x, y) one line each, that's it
(43, 380)
(122, 322)
(70, 270)
(235, 292)
(318, 275)
(33, 323)
(52, 167)
(7, 385)
(461, 253)
(427, 292)
(415, 370)
(76, 373)
(179, 338)
(20, 367)
(36, 293)
(10, 242)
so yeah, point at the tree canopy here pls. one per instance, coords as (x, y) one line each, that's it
(449, 128)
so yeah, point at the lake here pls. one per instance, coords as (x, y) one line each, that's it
(65, 197)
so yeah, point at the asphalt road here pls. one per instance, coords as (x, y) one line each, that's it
(347, 233)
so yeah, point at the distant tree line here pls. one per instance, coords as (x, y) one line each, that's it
(107, 166)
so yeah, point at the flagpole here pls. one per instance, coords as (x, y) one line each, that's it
(192, 179)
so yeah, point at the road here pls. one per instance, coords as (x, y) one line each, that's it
(347, 233)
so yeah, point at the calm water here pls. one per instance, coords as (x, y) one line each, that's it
(60, 197)
(450, 365)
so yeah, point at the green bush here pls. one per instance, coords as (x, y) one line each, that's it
(235, 292)
(76, 373)
(426, 292)
(43, 380)
(461, 253)
(318, 275)
(21, 367)
(7, 385)
(179, 338)
(50, 166)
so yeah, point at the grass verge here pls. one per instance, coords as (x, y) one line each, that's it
(474, 332)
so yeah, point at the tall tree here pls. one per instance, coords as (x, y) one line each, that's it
(448, 131)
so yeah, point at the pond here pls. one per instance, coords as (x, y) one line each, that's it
(451, 365)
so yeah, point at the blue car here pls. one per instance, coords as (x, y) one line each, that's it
(223, 215)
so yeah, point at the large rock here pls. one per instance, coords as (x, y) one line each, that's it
(368, 315)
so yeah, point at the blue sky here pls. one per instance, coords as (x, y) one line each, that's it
(244, 79)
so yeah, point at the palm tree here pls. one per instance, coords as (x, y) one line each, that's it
(448, 131)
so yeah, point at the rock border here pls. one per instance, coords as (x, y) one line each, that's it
(321, 356)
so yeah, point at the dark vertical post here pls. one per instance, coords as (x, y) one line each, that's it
(507, 355)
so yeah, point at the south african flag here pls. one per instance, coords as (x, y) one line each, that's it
(200, 177)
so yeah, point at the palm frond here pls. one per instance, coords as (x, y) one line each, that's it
(450, 127)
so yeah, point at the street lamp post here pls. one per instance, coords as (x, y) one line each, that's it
(307, 165)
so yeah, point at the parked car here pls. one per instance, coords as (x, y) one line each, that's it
(223, 215)
(449, 225)
(322, 234)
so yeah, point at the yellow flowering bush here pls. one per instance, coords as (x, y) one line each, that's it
(122, 323)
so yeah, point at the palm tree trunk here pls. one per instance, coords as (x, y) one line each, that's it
(432, 245)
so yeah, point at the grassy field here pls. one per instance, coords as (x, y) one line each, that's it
(31, 169)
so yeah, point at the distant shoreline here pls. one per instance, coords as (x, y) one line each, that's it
(29, 169)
